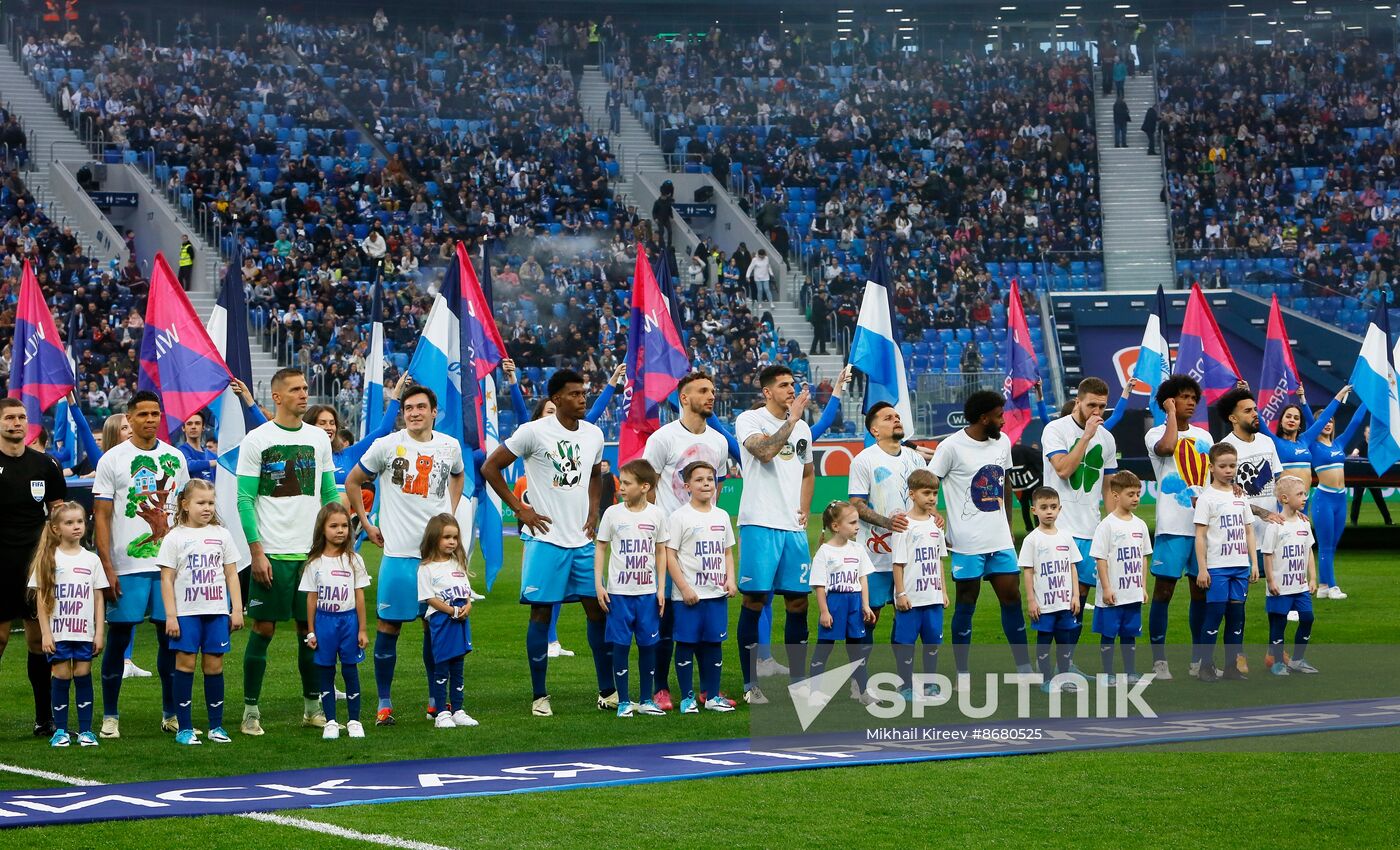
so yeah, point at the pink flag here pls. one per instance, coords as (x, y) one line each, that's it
(41, 373)
(178, 359)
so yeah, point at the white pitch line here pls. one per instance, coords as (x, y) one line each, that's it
(264, 817)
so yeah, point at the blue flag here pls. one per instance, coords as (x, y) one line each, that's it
(875, 346)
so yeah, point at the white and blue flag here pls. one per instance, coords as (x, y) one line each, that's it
(228, 330)
(372, 408)
(1154, 360)
(875, 350)
(1374, 382)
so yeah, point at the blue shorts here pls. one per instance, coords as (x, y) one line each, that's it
(1057, 621)
(397, 593)
(984, 565)
(630, 616)
(1228, 584)
(71, 650)
(140, 600)
(1118, 621)
(924, 623)
(846, 620)
(206, 633)
(881, 589)
(551, 574)
(771, 561)
(1174, 555)
(707, 621)
(451, 638)
(1300, 602)
(337, 637)
(1088, 568)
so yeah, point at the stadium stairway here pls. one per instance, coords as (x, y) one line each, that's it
(1136, 249)
(49, 139)
(1067, 336)
(633, 147)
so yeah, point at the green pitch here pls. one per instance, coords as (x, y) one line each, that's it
(1167, 798)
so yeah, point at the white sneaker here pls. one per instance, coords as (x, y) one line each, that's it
(316, 720)
(355, 729)
(1194, 671)
(1088, 606)
(462, 719)
(770, 667)
(339, 695)
(1324, 592)
(856, 692)
(1292, 616)
(753, 696)
(131, 671)
(111, 728)
(540, 707)
(331, 731)
(558, 651)
(1336, 593)
(1162, 671)
(444, 721)
(252, 724)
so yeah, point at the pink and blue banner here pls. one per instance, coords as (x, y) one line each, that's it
(1278, 380)
(1022, 366)
(656, 361)
(178, 359)
(41, 374)
(1203, 354)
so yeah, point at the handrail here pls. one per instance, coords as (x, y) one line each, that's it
(1162, 159)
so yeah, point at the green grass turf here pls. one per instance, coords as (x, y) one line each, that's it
(1156, 787)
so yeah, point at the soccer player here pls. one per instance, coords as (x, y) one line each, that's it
(628, 582)
(562, 454)
(31, 486)
(1083, 454)
(1049, 555)
(669, 450)
(879, 491)
(285, 474)
(1291, 571)
(1225, 548)
(420, 474)
(776, 456)
(1120, 544)
(133, 499)
(1177, 450)
(971, 465)
(921, 592)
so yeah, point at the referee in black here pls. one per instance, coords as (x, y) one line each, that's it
(31, 484)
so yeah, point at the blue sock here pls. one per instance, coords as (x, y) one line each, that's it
(386, 655)
(765, 629)
(214, 699)
(1278, 624)
(429, 665)
(904, 663)
(621, 654)
(58, 697)
(711, 665)
(820, 655)
(1013, 623)
(1157, 629)
(1300, 637)
(456, 686)
(554, 622)
(602, 655)
(1210, 631)
(118, 638)
(1195, 621)
(1128, 646)
(1234, 624)
(664, 647)
(165, 668)
(1106, 653)
(326, 677)
(182, 685)
(82, 694)
(1044, 654)
(749, 621)
(962, 633)
(537, 652)
(1065, 641)
(795, 636)
(437, 684)
(859, 649)
(685, 669)
(351, 672)
(646, 666)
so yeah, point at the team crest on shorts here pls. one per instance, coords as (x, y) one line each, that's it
(37, 489)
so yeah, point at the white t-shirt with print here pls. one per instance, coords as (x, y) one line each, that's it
(414, 479)
(1081, 495)
(921, 548)
(445, 580)
(130, 478)
(701, 539)
(1124, 545)
(78, 578)
(1052, 560)
(972, 476)
(1291, 545)
(290, 466)
(558, 468)
(1225, 516)
(198, 557)
(772, 494)
(636, 539)
(671, 448)
(839, 568)
(334, 579)
(882, 479)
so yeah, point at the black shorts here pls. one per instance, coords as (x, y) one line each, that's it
(15, 603)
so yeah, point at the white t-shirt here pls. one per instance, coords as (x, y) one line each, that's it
(972, 475)
(445, 580)
(77, 579)
(334, 579)
(1291, 545)
(701, 540)
(289, 466)
(636, 538)
(671, 448)
(839, 568)
(1225, 516)
(1081, 495)
(1181, 476)
(413, 486)
(1051, 559)
(921, 549)
(558, 467)
(198, 557)
(882, 479)
(1258, 470)
(1124, 545)
(129, 478)
(772, 494)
